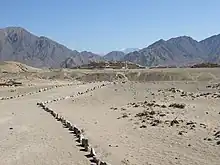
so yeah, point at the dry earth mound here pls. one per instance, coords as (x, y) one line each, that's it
(16, 67)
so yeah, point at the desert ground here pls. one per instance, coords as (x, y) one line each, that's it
(128, 117)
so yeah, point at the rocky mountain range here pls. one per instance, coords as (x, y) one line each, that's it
(175, 51)
(17, 44)
(178, 51)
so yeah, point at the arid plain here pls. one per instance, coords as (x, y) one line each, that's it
(129, 117)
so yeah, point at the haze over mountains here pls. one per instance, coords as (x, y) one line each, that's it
(17, 44)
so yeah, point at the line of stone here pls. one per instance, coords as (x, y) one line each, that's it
(73, 128)
(37, 91)
(77, 94)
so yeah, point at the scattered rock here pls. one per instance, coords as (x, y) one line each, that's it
(143, 126)
(162, 114)
(124, 115)
(123, 109)
(155, 122)
(152, 112)
(181, 132)
(190, 123)
(163, 106)
(176, 105)
(173, 122)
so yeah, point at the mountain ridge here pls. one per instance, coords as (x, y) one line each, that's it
(18, 44)
(179, 51)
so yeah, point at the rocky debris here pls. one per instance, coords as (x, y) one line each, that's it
(216, 86)
(177, 105)
(174, 90)
(11, 83)
(114, 108)
(155, 122)
(206, 95)
(203, 125)
(190, 123)
(174, 122)
(181, 132)
(162, 114)
(123, 109)
(155, 118)
(217, 135)
(124, 115)
(209, 139)
(147, 104)
(214, 138)
(143, 126)
(12, 90)
(190, 94)
(149, 117)
(142, 114)
(113, 145)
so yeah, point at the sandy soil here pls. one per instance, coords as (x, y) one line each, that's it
(135, 122)
(30, 136)
(112, 125)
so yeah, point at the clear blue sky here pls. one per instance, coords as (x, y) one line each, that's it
(105, 25)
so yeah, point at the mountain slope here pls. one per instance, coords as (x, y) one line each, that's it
(114, 56)
(175, 51)
(212, 44)
(17, 44)
(81, 59)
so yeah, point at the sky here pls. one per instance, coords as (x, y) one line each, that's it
(101, 26)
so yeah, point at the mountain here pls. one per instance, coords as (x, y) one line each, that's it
(129, 50)
(212, 45)
(114, 56)
(81, 59)
(176, 51)
(17, 44)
